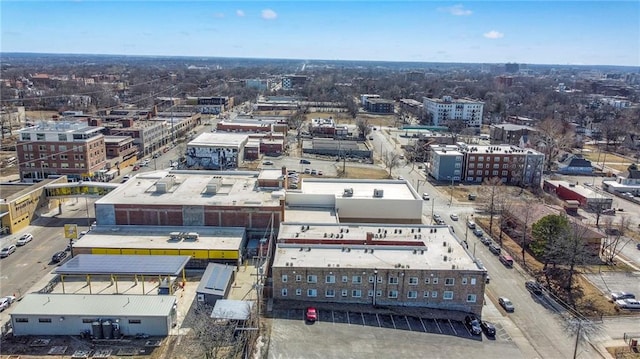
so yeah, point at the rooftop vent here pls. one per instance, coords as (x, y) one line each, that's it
(348, 192)
(213, 185)
(378, 193)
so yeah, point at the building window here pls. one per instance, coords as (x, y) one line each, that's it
(64, 157)
(464, 280)
(345, 279)
(447, 295)
(393, 294)
(412, 294)
(449, 281)
(370, 293)
(25, 137)
(471, 298)
(494, 173)
(472, 158)
(457, 165)
(504, 173)
(427, 280)
(496, 159)
(371, 279)
(480, 165)
(298, 277)
(356, 279)
(413, 280)
(344, 292)
(496, 166)
(330, 293)
(472, 165)
(434, 294)
(40, 137)
(312, 279)
(330, 279)
(356, 293)
(135, 321)
(44, 320)
(62, 137)
(298, 292)
(22, 320)
(284, 292)
(480, 158)
(473, 281)
(42, 148)
(425, 294)
(312, 292)
(378, 293)
(505, 159)
(284, 278)
(393, 280)
(435, 280)
(380, 279)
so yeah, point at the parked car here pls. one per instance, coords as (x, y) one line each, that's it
(478, 232)
(136, 168)
(305, 162)
(24, 239)
(506, 304)
(628, 304)
(488, 328)
(311, 314)
(533, 287)
(622, 295)
(7, 251)
(320, 173)
(59, 256)
(307, 171)
(495, 249)
(506, 260)
(314, 171)
(436, 217)
(473, 324)
(425, 196)
(471, 224)
(454, 217)
(267, 163)
(485, 240)
(10, 298)
(471, 197)
(4, 304)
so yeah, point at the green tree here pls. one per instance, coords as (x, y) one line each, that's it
(547, 233)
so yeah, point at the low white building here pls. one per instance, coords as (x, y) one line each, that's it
(448, 109)
(105, 316)
(216, 151)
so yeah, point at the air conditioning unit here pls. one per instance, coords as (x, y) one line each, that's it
(348, 192)
(378, 193)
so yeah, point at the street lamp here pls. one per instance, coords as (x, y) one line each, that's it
(451, 197)
(375, 281)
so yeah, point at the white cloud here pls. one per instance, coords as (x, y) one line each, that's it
(493, 34)
(239, 13)
(456, 10)
(269, 14)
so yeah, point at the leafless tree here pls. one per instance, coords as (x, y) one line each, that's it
(363, 127)
(391, 161)
(574, 252)
(556, 135)
(489, 201)
(615, 240)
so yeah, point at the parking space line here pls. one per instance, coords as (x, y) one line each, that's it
(451, 324)
(423, 326)
(409, 324)
(393, 321)
(333, 317)
(438, 325)
(378, 319)
(362, 315)
(348, 319)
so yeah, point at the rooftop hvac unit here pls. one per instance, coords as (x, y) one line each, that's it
(348, 192)
(191, 236)
(176, 236)
(378, 193)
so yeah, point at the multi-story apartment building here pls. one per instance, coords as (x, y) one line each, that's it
(446, 163)
(293, 81)
(462, 162)
(378, 265)
(448, 109)
(514, 165)
(60, 148)
(379, 105)
(149, 136)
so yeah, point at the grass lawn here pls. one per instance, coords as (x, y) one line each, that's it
(363, 173)
(594, 153)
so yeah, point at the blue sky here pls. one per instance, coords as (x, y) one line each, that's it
(536, 32)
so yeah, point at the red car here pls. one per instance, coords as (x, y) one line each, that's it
(136, 167)
(311, 314)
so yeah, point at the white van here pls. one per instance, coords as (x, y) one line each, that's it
(471, 224)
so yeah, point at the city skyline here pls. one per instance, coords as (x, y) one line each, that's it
(536, 32)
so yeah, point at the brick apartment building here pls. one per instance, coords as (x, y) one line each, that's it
(60, 148)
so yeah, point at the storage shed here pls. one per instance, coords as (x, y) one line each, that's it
(102, 316)
(215, 283)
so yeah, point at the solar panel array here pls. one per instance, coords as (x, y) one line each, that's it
(123, 264)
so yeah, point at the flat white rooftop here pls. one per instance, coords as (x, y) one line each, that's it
(310, 215)
(100, 305)
(435, 256)
(394, 189)
(209, 139)
(190, 188)
(154, 237)
(383, 234)
(270, 174)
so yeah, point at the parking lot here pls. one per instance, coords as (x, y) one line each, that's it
(390, 321)
(342, 334)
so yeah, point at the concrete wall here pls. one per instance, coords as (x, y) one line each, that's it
(73, 325)
(105, 214)
(310, 200)
(374, 208)
(193, 215)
